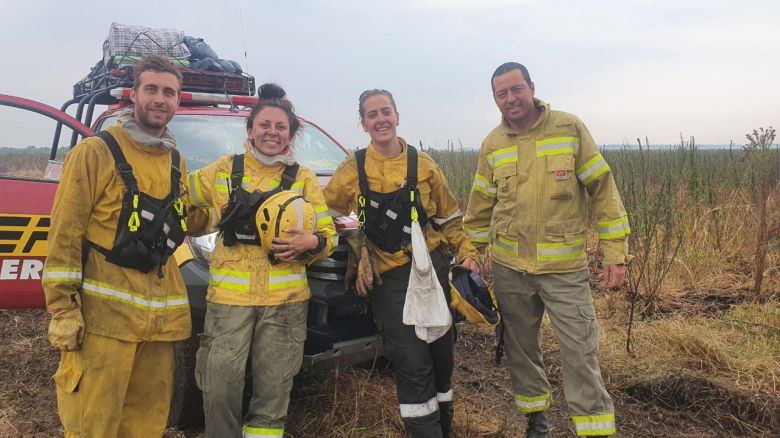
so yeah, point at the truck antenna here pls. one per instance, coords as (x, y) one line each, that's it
(243, 36)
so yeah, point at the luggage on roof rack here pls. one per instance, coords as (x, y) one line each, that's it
(126, 40)
(119, 73)
(127, 44)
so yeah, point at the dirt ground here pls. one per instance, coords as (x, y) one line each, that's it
(352, 401)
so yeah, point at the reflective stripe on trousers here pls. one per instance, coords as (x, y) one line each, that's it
(589, 425)
(261, 432)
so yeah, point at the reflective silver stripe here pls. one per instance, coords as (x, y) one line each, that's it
(213, 219)
(444, 396)
(148, 215)
(286, 278)
(560, 251)
(521, 404)
(391, 214)
(262, 432)
(61, 275)
(195, 191)
(373, 203)
(591, 170)
(502, 156)
(477, 232)
(613, 229)
(443, 221)
(97, 288)
(419, 409)
(223, 278)
(482, 184)
(407, 230)
(506, 246)
(166, 228)
(246, 236)
(337, 215)
(533, 404)
(557, 146)
(298, 205)
(171, 244)
(603, 424)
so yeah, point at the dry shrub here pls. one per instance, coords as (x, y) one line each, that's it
(718, 250)
(727, 366)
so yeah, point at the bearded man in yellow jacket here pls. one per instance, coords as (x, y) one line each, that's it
(116, 305)
(536, 174)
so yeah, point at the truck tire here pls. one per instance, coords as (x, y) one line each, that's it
(187, 400)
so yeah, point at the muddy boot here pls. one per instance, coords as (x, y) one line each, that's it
(538, 426)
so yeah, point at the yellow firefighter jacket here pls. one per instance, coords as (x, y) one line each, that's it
(242, 274)
(529, 199)
(117, 302)
(388, 175)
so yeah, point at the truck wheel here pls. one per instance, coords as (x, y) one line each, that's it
(187, 400)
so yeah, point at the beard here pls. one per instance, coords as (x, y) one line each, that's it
(146, 120)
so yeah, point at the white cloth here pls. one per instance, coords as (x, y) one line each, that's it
(425, 307)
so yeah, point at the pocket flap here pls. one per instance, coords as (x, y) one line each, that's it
(505, 171)
(587, 312)
(564, 227)
(560, 162)
(69, 372)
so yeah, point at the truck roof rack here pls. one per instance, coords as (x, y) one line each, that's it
(118, 73)
(194, 98)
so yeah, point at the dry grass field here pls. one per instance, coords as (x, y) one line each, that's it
(690, 348)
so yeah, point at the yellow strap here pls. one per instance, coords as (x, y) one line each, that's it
(134, 221)
(362, 213)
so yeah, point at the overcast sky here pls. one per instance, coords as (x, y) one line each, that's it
(656, 68)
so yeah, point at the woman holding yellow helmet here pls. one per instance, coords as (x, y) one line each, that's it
(395, 189)
(274, 222)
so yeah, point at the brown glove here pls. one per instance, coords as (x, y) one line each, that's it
(367, 273)
(66, 329)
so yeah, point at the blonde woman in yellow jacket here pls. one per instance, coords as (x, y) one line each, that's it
(423, 370)
(255, 302)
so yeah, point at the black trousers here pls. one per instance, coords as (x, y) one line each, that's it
(423, 371)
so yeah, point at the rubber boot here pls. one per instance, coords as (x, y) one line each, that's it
(538, 426)
(445, 418)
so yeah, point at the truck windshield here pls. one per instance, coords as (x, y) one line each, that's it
(204, 138)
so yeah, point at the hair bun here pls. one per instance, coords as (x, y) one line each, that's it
(271, 91)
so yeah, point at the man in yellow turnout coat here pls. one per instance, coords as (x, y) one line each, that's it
(115, 321)
(258, 292)
(537, 172)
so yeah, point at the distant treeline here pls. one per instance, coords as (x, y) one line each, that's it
(29, 162)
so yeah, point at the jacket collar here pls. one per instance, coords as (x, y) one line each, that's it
(544, 112)
(148, 142)
(374, 153)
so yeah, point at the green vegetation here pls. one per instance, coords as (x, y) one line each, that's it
(29, 162)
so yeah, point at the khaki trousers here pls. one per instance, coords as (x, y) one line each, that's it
(113, 388)
(522, 299)
(275, 337)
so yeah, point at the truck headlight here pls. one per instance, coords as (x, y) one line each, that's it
(203, 246)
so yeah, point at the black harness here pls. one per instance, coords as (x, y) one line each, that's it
(386, 218)
(149, 229)
(238, 222)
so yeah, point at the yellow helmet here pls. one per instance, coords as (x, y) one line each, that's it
(472, 298)
(281, 211)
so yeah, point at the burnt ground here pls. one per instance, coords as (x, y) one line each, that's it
(360, 401)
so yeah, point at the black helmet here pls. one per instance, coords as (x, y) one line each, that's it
(472, 298)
